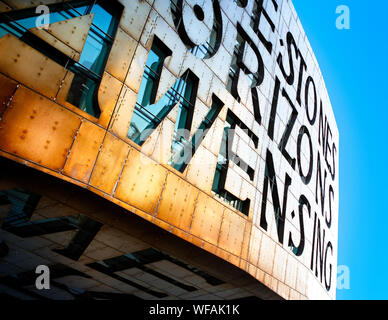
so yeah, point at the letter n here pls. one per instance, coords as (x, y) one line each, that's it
(279, 212)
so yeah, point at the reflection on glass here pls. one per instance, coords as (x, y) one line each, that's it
(148, 115)
(183, 148)
(222, 169)
(89, 69)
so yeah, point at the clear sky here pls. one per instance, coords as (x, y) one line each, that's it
(354, 65)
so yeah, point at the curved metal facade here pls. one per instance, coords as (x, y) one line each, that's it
(259, 187)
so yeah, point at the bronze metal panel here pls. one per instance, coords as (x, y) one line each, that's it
(30, 116)
(120, 57)
(72, 32)
(109, 164)
(84, 151)
(141, 182)
(201, 168)
(159, 143)
(50, 39)
(246, 240)
(207, 219)
(254, 245)
(134, 16)
(232, 232)
(108, 94)
(136, 69)
(124, 110)
(177, 203)
(29, 67)
(8, 88)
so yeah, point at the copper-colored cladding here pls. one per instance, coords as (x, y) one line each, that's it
(159, 143)
(108, 94)
(84, 151)
(138, 9)
(58, 138)
(122, 51)
(28, 66)
(47, 37)
(141, 182)
(72, 32)
(124, 109)
(231, 233)
(246, 241)
(207, 219)
(67, 36)
(201, 169)
(136, 69)
(255, 242)
(8, 88)
(37, 129)
(109, 164)
(61, 97)
(177, 203)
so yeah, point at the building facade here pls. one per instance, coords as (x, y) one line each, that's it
(161, 149)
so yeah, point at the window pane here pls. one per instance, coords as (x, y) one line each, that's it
(103, 19)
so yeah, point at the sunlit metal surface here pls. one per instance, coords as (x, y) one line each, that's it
(39, 127)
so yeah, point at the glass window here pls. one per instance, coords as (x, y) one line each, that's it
(226, 155)
(89, 69)
(148, 115)
(183, 148)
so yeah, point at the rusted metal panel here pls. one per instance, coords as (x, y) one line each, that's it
(30, 116)
(141, 182)
(84, 151)
(108, 94)
(177, 203)
(121, 55)
(109, 164)
(231, 233)
(29, 67)
(207, 219)
(8, 88)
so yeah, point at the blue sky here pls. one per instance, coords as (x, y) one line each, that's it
(354, 65)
